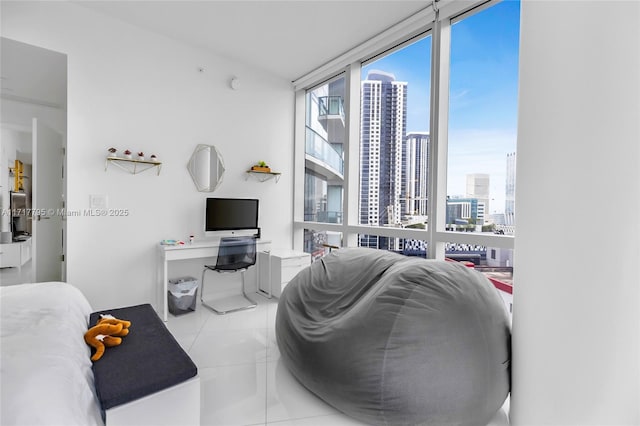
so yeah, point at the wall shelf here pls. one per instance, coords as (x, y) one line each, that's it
(132, 166)
(263, 176)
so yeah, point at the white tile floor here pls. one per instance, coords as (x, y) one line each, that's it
(243, 380)
(11, 276)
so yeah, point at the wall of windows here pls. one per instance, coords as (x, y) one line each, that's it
(410, 143)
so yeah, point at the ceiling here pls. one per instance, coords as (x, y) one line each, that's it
(285, 38)
(32, 74)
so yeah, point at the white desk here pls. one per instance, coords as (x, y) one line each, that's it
(196, 250)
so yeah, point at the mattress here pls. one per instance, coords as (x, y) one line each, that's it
(45, 369)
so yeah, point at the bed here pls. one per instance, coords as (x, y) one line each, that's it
(45, 370)
(49, 379)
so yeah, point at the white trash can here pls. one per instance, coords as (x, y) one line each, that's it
(181, 295)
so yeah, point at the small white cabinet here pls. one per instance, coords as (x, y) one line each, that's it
(9, 255)
(278, 267)
(15, 254)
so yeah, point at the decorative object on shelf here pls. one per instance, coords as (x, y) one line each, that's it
(206, 168)
(127, 154)
(261, 166)
(191, 238)
(112, 152)
(141, 156)
(154, 158)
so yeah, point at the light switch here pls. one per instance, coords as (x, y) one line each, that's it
(98, 202)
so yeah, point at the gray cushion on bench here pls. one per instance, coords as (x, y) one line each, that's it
(148, 360)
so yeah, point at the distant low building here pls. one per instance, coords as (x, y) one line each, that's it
(465, 211)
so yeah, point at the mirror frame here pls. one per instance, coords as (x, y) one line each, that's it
(198, 159)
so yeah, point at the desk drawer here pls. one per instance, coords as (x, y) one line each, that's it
(284, 267)
(295, 262)
(290, 270)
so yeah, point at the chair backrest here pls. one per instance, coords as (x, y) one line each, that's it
(236, 253)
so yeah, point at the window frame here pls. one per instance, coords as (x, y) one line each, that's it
(438, 25)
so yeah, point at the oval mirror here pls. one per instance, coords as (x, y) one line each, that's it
(206, 168)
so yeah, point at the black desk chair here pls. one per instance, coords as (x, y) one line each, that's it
(236, 254)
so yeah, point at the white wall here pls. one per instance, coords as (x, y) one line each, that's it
(129, 88)
(576, 317)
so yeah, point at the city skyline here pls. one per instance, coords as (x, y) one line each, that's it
(483, 94)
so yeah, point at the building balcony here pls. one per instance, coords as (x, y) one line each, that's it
(331, 113)
(324, 217)
(322, 158)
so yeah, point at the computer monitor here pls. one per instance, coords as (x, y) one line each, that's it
(231, 216)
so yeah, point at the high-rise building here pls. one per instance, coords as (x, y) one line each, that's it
(383, 129)
(478, 188)
(324, 160)
(415, 174)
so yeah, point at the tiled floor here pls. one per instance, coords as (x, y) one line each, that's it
(11, 276)
(243, 380)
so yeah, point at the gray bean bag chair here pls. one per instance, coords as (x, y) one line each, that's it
(394, 340)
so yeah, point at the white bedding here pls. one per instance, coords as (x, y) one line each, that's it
(46, 376)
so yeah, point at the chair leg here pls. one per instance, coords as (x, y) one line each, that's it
(202, 287)
(222, 312)
(253, 304)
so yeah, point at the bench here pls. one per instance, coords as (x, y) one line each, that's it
(149, 378)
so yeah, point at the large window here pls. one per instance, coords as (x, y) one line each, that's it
(483, 99)
(394, 141)
(412, 147)
(324, 152)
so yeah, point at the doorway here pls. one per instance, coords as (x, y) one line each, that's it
(33, 121)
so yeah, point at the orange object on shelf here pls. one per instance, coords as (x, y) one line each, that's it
(261, 169)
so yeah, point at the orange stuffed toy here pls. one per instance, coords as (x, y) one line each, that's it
(107, 332)
(110, 319)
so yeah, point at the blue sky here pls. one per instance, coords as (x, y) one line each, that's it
(482, 97)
